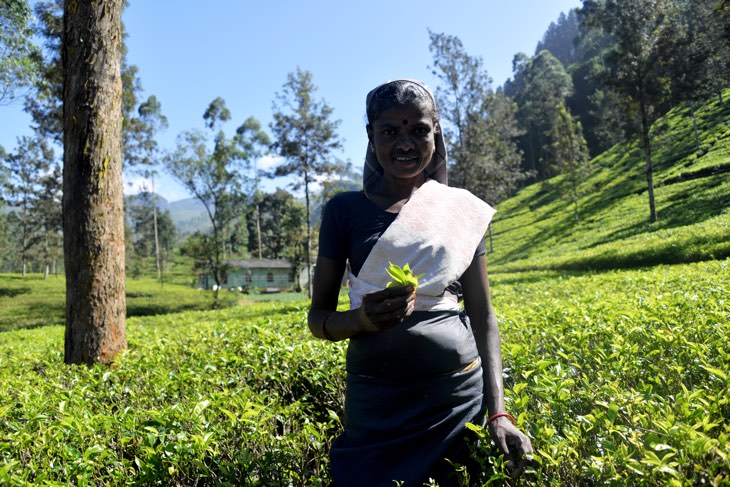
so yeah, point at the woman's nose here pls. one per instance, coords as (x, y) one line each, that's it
(405, 142)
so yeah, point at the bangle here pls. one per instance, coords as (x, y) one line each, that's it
(501, 415)
(324, 327)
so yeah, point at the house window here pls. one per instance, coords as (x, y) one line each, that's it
(291, 277)
(248, 277)
(270, 277)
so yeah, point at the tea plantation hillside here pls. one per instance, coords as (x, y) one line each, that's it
(620, 377)
(614, 333)
(537, 229)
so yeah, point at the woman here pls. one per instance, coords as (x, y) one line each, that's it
(416, 370)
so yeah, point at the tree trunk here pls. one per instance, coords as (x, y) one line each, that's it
(154, 224)
(93, 217)
(23, 260)
(258, 228)
(645, 138)
(694, 126)
(46, 255)
(309, 236)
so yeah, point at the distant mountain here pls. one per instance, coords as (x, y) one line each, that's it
(188, 215)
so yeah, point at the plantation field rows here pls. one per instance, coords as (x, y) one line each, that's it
(620, 377)
(31, 301)
(537, 228)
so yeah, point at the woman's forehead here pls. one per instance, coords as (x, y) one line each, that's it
(408, 112)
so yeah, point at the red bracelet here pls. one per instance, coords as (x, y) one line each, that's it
(324, 329)
(501, 415)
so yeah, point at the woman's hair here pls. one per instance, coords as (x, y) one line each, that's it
(395, 93)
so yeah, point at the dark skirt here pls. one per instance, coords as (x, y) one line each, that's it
(408, 398)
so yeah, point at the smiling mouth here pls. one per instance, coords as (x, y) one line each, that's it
(406, 158)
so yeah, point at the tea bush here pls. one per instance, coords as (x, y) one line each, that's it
(620, 378)
(233, 397)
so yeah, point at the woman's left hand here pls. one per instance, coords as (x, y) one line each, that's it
(513, 443)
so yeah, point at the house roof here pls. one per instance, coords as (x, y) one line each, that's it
(260, 264)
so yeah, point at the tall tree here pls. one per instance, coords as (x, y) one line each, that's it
(254, 144)
(635, 61)
(18, 54)
(216, 178)
(46, 106)
(481, 126)
(570, 150)
(93, 214)
(24, 190)
(541, 87)
(142, 153)
(154, 234)
(50, 218)
(282, 225)
(305, 136)
(698, 56)
(598, 106)
(4, 233)
(560, 38)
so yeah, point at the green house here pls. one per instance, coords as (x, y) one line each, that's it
(264, 274)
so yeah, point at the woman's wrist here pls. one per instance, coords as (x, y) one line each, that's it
(365, 325)
(500, 417)
(326, 333)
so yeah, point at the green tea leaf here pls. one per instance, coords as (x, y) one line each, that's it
(402, 276)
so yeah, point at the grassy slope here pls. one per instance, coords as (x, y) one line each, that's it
(536, 229)
(32, 301)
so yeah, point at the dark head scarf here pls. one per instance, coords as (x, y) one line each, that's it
(436, 169)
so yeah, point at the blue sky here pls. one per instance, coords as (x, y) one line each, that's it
(190, 52)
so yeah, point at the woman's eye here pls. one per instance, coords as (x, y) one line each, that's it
(422, 130)
(388, 131)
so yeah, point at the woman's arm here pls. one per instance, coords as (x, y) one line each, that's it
(379, 310)
(477, 304)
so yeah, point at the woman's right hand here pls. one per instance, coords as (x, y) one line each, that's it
(386, 308)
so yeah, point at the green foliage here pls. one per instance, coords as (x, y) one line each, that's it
(146, 220)
(560, 38)
(31, 301)
(537, 230)
(620, 378)
(305, 136)
(234, 397)
(33, 189)
(282, 226)
(479, 124)
(540, 88)
(18, 66)
(216, 177)
(402, 276)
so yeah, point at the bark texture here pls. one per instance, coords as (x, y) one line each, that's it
(93, 218)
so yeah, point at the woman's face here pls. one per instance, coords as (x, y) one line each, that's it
(403, 137)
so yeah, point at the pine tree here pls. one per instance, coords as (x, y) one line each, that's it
(217, 178)
(305, 136)
(481, 126)
(24, 191)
